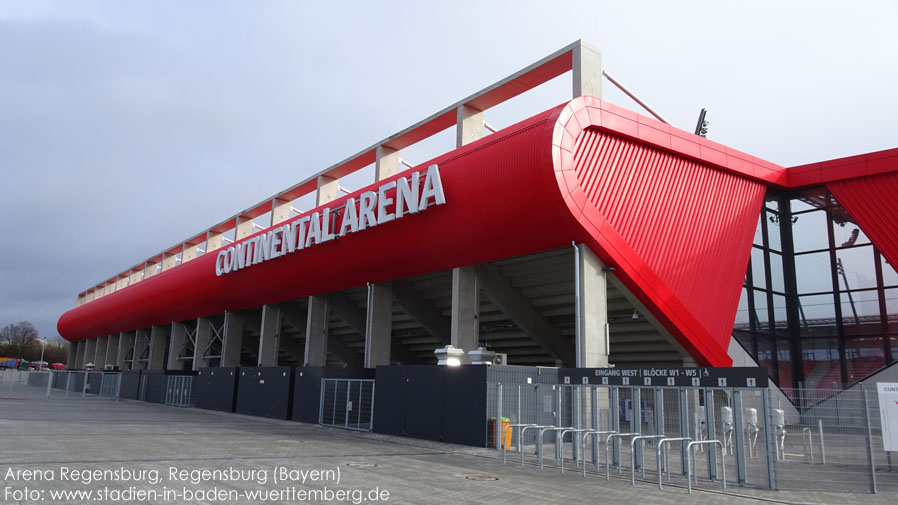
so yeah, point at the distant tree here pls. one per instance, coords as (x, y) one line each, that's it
(19, 333)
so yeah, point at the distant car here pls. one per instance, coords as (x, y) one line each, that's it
(57, 366)
(40, 365)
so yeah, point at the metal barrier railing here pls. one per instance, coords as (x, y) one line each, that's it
(633, 441)
(658, 450)
(690, 449)
(607, 457)
(539, 441)
(597, 436)
(560, 444)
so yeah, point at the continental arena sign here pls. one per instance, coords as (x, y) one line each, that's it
(392, 200)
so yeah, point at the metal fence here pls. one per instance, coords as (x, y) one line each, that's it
(833, 444)
(347, 403)
(836, 444)
(618, 428)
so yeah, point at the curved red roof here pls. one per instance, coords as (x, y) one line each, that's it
(671, 212)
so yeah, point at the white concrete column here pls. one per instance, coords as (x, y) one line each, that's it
(124, 341)
(175, 343)
(189, 252)
(73, 355)
(90, 350)
(328, 190)
(149, 270)
(169, 260)
(379, 325)
(79, 355)
(203, 334)
(244, 227)
(387, 162)
(592, 310)
(140, 343)
(158, 344)
(587, 71)
(214, 240)
(112, 343)
(100, 352)
(270, 335)
(280, 210)
(316, 331)
(233, 339)
(465, 325)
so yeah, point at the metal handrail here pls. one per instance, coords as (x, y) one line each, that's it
(658, 455)
(583, 445)
(573, 443)
(608, 458)
(512, 427)
(539, 441)
(521, 435)
(690, 449)
(633, 455)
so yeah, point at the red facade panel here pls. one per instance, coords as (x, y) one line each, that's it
(873, 203)
(691, 225)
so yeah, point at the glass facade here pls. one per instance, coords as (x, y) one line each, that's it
(819, 308)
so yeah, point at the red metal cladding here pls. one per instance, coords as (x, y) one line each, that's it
(673, 213)
(871, 201)
(678, 231)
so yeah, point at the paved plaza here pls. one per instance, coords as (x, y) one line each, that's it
(73, 450)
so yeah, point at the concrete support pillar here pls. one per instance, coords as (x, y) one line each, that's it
(387, 163)
(189, 252)
(124, 343)
(233, 339)
(73, 355)
(140, 343)
(158, 345)
(465, 325)
(244, 227)
(169, 260)
(592, 310)
(316, 331)
(79, 355)
(100, 352)
(379, 324)
(112, 345)
(469, 126)
(328, 190)
(587, 71)
(90, 349)
(214, 240)
(270, 335)
(121, 282)
(280, 210)
(175, 343)
(136, 276)
(203, 334)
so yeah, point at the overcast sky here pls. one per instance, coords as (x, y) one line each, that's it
(129, 126)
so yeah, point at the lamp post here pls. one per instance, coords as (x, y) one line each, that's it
(43, 342)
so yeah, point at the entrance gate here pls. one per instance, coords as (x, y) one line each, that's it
(347, 404)
(178, 391)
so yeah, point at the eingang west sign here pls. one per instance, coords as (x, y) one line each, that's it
(372, 209)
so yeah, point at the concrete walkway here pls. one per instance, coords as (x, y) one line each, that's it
(132, 447)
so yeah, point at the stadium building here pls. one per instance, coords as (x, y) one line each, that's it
(583, 236)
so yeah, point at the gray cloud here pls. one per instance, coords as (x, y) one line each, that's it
(127, 127)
